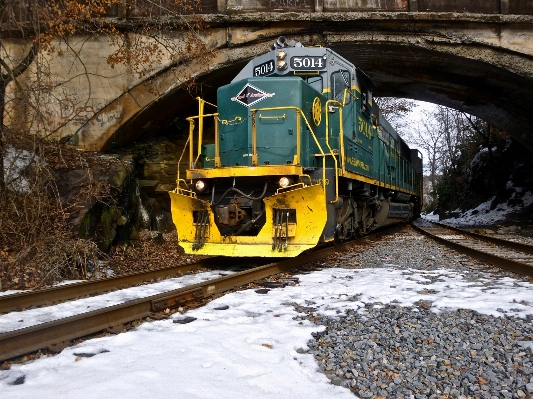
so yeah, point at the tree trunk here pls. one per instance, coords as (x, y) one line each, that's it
(5, 79)
(3, 147)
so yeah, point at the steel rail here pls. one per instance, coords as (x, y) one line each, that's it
(508, 263)
(53, 295)
(58, 334)
(519, 246)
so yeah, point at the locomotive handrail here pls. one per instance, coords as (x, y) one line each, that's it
(191, 128)
(192, 164)
(289, 188)
(309, 177)
(201, 103)
(298, 128)
(204, 115)
(327, 143)
(183, 191)
(193, 161)
(272, 117)
(341, 136)
(348, 91)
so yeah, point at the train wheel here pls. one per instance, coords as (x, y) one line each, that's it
(340, 234)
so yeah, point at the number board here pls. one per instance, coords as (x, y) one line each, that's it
(266, 68)
(308, 63)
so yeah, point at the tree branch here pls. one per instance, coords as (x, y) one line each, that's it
(21, 67)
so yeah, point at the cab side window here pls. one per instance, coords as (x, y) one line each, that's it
(366, 100)
(340, 81)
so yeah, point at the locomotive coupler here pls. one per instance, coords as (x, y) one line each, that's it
(229, 215)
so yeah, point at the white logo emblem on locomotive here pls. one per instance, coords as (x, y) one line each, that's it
(249, 95)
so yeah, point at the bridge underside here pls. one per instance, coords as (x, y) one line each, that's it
(424, 62)
(495, 95)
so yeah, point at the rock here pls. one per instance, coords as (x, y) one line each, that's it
(185, 320)
(161, 220)
(19, 380)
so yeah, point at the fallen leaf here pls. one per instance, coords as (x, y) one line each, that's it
(78, 358)
(267, 346)
(483, 381)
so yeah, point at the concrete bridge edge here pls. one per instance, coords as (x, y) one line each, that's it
(99, 130)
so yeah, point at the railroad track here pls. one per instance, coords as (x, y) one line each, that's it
(510, 255)
(55, 335)
(54, 295)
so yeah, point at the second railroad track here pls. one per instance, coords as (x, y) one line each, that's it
(510, 255)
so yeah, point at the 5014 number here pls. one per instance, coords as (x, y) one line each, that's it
(307, 63)
(266, 68)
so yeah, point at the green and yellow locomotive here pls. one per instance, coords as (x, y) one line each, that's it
(301, 156)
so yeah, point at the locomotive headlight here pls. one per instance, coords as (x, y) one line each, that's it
(281, 55)
(284, 182)
(200, 186)
(282, 64)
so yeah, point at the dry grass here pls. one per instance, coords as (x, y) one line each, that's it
(52, 260)
(155, 251)
(39, 246)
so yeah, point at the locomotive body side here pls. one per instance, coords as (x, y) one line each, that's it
(301, 156)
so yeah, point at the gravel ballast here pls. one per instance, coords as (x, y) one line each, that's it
(386, 350)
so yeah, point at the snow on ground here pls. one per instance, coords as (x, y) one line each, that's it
(482, 215)
(251, 348)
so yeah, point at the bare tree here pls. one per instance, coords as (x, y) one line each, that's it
(34, 25)
(397, 111)
(431, 141)
(36, 34)
(489, 134)
(159, 34)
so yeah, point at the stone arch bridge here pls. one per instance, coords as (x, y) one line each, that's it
(472, 55)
